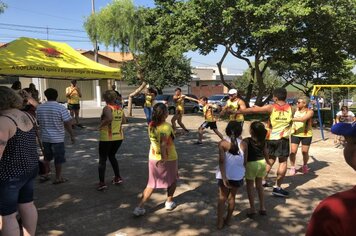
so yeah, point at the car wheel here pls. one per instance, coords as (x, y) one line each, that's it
(171, 110)
(195, 110)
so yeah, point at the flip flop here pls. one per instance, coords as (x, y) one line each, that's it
(44, 178)
(60, 181)
(262, 212)
(251, 215)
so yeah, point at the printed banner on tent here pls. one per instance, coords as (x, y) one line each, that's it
(47, 59)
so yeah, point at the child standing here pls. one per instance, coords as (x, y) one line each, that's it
(256, 155)
(210, 121)
(230, 172)
(162, 164)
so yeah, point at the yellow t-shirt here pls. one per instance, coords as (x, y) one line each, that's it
(164, 133)
(113, 131)
(302, 129)
(148, 101)
(279, 122)
(208, 113)
(234, 106)
(180, 104)
(74, 96)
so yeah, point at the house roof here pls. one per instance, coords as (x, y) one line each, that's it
(113, 56)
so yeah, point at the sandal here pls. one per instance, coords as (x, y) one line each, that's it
(262, 212)
(251, 215)
(60, 181)
(44, 178)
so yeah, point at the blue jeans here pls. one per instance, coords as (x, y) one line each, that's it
(16, 190)
(148, 113)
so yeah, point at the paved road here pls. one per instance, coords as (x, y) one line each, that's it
(76, 208)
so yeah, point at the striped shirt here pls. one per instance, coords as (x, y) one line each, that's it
(51, 116)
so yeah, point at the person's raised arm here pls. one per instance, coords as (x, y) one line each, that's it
(307, 116)
(264, 109)
(191, 99)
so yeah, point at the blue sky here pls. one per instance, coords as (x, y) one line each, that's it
(62, 20)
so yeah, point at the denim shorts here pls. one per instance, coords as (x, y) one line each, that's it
(17, 190)
(54, 151)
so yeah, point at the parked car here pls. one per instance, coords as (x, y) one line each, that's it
(253, 101)
(219, 100)
(189, 106)
(137, 100)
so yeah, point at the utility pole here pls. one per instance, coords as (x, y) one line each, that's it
(97, 85)
(96, 42)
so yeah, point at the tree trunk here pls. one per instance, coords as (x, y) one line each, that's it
(261, 85)
(139, 89)
(219, 64)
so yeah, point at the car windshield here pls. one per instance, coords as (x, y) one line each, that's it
(216, 97)
(162, 97)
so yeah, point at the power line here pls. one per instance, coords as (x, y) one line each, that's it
(42, 27)
(43, 32)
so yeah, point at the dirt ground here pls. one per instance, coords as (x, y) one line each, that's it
(76, 208)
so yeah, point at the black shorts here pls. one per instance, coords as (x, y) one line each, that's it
(73, 106)
(233, 183)
(304, 140)
(209, 124)
(278, 148)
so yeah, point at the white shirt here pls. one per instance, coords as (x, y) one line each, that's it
(234, 165)
(348, 118)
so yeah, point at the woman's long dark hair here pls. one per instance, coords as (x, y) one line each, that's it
(234, 130)
(259, 132)
(158, 114)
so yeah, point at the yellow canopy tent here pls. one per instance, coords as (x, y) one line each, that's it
(28, 57)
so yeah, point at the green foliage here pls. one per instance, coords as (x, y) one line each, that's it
(271, 79)
(3, 6)
(119, 24)
(145, 33)
(309, 41)
(169, 71)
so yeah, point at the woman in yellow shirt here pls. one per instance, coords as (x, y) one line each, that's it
(301, 133)
(162, 163)
(111, 137)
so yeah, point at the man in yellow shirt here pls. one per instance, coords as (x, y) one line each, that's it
(234, 104)
(73, 95)
(278, 127)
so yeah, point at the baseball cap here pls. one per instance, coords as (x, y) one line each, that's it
(232, 91)
(344, 129)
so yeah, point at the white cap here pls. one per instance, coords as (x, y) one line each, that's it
(232, 91)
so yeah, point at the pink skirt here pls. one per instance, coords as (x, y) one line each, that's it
(163, 175)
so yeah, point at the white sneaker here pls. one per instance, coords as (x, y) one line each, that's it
(139, 211)
(170, 205)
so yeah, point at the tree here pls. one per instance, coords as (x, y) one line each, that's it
(168, 71)
(268, 32)
(135, 30)
(3, 6)
(271, 80)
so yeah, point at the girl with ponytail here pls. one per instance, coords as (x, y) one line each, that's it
(230, 172)
(256, 156)
(162, 163)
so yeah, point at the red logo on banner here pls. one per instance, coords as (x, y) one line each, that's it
(51, 52)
